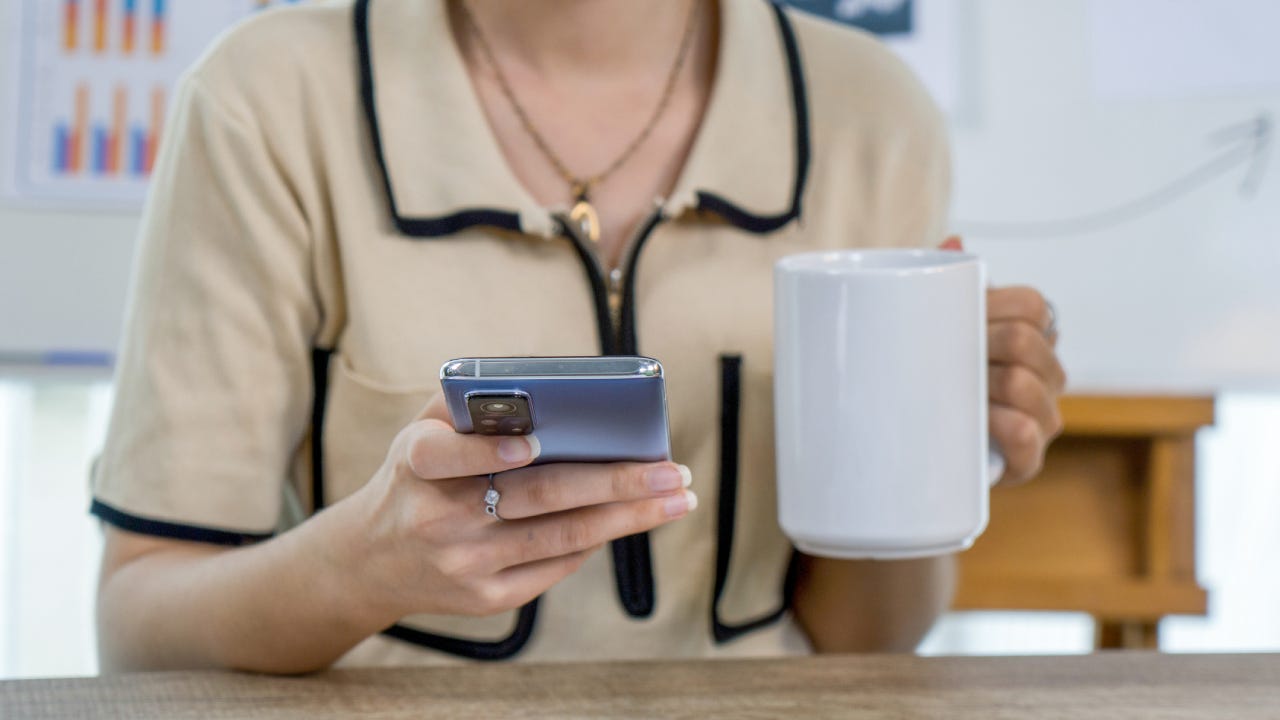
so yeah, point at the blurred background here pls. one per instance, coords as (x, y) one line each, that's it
(1115, 154)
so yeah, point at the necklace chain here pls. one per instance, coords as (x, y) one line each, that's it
(581, 186)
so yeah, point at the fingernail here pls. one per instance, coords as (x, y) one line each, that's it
(678, 505)
(686, 475)
(519, 449)
(664, 478)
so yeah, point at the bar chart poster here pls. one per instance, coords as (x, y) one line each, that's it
(90, 90)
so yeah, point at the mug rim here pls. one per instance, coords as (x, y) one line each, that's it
(892, 261)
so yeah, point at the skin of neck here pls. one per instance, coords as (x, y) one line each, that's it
(597, 36)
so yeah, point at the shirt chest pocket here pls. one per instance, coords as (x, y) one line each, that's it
(361, 418)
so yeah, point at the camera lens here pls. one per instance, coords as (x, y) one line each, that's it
(498, 408)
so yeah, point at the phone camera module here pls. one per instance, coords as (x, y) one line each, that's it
(500, 414)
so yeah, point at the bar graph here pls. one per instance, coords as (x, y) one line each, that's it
(109, 146)
(94, 80)
(115, 25)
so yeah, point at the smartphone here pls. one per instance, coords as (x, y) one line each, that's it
(582, 409)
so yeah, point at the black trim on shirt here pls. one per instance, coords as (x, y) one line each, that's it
(505, 219)
(632, 555)
(629, 343)
(175, 531)
(424, 226)
(474, 649)
(745, 219)
(599, 294)
(320, 394)
(730, 412)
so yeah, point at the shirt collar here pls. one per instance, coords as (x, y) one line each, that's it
(747, 166)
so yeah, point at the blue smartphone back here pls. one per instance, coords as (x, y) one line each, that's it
(583, 417)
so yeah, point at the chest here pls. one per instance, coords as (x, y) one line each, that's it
(618, 135)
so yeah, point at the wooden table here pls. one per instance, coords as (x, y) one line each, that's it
(1108, 528)
(1115, 685)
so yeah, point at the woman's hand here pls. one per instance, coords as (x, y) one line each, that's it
(421, 542)
(1025, 378)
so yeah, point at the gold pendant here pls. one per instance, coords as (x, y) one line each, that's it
(586, 219)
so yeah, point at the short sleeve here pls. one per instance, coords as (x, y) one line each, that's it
(213, 383)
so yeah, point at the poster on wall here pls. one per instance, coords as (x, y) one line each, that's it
(89, 88)
(924, 33)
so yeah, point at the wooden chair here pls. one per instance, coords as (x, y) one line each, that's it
(1109, 526)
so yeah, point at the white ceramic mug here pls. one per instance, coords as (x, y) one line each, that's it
(880, 392)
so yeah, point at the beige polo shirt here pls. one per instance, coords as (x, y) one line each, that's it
(330, 220)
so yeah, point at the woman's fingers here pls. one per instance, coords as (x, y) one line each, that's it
(518, 585)
(1025, 377)
(1019, 303)
(1024, 418)
(509, 562)
(1022, 441)
(573, 531)
(1020, 388)
(1013, 342)
(434, 451)
(549, 489)
(562, 510)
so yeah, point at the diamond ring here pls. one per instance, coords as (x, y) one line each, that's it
(491, 498)
(1052, 330)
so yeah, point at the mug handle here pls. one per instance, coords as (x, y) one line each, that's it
(995, 463)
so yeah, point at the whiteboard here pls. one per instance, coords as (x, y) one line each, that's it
(1184, 295)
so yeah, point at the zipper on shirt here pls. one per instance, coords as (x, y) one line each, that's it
(615, 282)
(615, 315)
(615, 298)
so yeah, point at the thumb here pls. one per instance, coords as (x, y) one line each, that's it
(952, 243)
